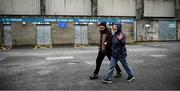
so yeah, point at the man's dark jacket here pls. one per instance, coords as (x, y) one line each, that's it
(105, 36)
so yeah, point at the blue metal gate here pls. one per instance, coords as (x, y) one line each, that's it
(44, 35)
(167, 30)
(7, 35)
(81, 35)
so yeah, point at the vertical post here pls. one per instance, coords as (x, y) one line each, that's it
(177, 16)
(43, 7)
(177, 8)
(1, 31)
(139, 14)
(139, 9)
(94, 7)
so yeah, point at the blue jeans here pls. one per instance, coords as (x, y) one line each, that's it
(124, 63)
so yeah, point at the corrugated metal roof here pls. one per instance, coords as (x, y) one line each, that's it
(159, 8)
(117, 7)
(20, 7)
(68, 7)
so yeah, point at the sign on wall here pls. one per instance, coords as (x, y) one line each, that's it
(62, 25)
(79, 20)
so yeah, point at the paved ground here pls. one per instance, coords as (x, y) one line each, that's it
(156, 66)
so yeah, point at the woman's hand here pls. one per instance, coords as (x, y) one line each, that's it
(119, 36)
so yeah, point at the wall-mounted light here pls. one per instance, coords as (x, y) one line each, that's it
(77, 23)
(47, 22)
(24, 23)
(91, 23)
(147, 25)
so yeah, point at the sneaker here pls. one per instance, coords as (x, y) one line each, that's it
(118, 75)
(93, 77)
(130, 78)
(106, 81)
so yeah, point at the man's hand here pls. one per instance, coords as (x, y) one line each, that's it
(119, 36)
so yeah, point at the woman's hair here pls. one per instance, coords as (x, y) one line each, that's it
(119, 28)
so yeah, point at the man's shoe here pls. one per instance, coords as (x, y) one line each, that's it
(106, 81)
(93, 77)
(118, 75)
(130, 78)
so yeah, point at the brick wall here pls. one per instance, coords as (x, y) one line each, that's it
(62, 35)
(128, 29)
(93, 34)
(24, 35)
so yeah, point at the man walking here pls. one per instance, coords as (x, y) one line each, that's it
(104, 50)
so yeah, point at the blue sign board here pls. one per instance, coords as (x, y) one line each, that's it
(63, 25)
(79, 20)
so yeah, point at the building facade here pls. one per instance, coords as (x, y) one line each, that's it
(45, 22)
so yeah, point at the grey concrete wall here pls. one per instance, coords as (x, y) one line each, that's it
(20, 7)
(159, 8)
(117, 7)
(145, 33)
(68, 7)
(156, 30)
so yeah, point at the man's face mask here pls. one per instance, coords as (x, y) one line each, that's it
(114, 29)
(113, 32)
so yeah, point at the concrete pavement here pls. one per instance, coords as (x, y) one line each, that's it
(156, 66)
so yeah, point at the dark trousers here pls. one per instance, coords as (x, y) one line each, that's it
(99, 60)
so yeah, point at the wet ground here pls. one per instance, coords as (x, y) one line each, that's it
(156, 66)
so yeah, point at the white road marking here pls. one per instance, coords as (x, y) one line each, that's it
(43, 72)
(159, 55)
(139, 61)
(94, 62)
(57, 58)
(90, 63)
